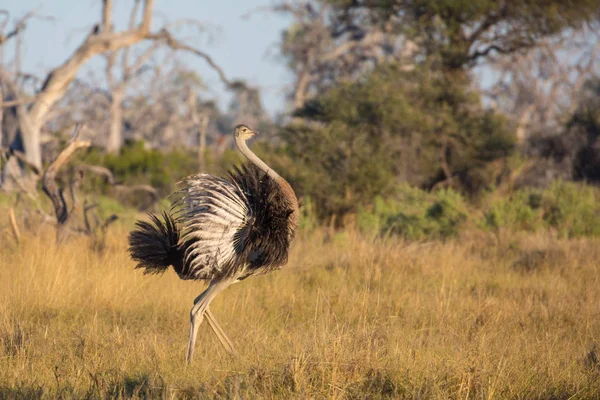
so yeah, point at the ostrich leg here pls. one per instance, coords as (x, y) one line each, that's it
(212, 322)
(197, 312)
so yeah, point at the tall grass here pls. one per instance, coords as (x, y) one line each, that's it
(349, 317)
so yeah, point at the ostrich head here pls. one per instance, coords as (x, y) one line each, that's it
(243, 132)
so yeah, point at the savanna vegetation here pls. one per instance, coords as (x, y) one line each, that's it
(486, 316)
(447, 159)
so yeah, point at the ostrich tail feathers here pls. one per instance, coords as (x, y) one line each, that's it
(154, 245)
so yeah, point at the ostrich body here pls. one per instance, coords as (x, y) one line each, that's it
(221, 231)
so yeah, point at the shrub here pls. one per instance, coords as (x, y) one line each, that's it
(415, 214)
(520, 211)
(135, 164)
(571, 209)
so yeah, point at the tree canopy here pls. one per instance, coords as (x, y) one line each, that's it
(391, 126)
(461, 32)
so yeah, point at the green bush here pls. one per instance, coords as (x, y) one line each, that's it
(448, 212)
(415, 214)
(521, 211)
(572, 209)
(135, 164)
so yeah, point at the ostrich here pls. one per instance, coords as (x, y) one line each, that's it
(221, 231)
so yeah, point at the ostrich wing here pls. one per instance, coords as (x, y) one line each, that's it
(214, 215)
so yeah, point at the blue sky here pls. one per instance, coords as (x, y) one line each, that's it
(244, 48)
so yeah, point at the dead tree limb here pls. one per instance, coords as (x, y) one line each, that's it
(121, 189)
(19, 26)
(13, 225)
(58, 80)
(19, 155)
(86, 220)
(103, 38)
(51, 188)
(200, 122)
(102, 171)
(98, 231)
(175, 44)
(20, 102)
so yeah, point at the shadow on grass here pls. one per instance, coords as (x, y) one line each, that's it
(282, 382)
(140, 386)
(21, 392)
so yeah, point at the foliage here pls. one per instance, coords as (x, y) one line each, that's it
(414, 126)
(572, 151)
(567, 208)
(521, 211)
(460, 33)
(571, 209)
(135, 164)
(415, 214)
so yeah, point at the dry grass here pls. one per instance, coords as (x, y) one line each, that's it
(347, 318)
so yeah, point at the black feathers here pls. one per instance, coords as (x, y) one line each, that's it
(154, 245)
(266, 237)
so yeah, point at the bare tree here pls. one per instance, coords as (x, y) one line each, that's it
(64, 215)
(118, 85)
(538, 89)
(323, 50)
(19, 26)
(200, 122)
(66, 224)
(246, 105)
(161, 113)
(102, 39)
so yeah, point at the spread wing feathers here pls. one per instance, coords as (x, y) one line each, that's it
(266, 237)
(214, 215)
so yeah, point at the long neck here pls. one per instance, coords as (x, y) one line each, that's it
(286, 189)
(253, 158)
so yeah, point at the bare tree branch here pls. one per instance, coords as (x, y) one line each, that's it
(175, 44)
(13, 225)
(58, 80)
(20, 102)
(50, 187)
(19, 27)
(107, 15)
(21, 157)
(102, 171)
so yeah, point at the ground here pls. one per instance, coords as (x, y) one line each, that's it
(487, 316)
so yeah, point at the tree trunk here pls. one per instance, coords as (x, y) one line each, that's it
(31, 135)
(202, 146)
(26, 131)
(2, 140)
(115, 139)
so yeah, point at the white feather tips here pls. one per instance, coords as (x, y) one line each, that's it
(211, 210)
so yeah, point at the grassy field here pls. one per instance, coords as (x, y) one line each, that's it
(349, 317)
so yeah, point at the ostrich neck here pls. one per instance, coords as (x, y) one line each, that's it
(285, 187)
(253, 158)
